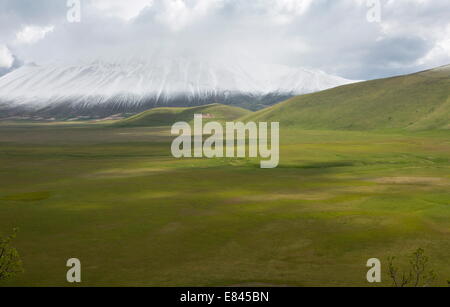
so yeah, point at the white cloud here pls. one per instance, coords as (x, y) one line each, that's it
(334, 36)
(125, 10)
(177, 14)
(6, 58)
(285, 11)
(440, 53)
(32, 34)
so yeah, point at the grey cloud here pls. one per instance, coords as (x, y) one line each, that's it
(14, 14)
(398, 50)
(331, 35)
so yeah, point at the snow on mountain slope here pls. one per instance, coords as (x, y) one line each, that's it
(135, 84)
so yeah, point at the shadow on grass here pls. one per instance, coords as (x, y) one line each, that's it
(321, 165)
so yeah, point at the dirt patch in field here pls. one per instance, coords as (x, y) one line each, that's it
(413, 180)
(437, 227)
(330, 194)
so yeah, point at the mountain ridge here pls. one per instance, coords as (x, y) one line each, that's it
(169, 116)
(106, 88)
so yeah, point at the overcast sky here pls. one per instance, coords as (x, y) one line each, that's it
(342, 37)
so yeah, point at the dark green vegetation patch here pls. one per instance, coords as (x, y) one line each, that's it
(169, 116)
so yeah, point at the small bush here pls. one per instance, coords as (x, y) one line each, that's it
(10, 263)
(417, 275)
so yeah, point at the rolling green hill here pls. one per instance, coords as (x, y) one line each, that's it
(418, 101)
(169, 116)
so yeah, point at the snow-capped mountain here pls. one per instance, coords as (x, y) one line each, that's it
(102, 88)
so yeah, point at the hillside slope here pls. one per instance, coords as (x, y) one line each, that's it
(416, 101)
(168, 116)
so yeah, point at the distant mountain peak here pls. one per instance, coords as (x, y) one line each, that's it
(135, 84)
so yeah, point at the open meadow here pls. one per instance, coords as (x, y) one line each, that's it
(115, 198)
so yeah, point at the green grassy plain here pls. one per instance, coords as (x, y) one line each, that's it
(419, 101)
(116, 199)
